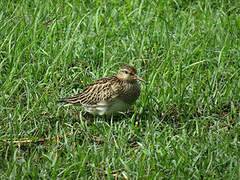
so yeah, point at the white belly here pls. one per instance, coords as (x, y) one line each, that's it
(103, 108)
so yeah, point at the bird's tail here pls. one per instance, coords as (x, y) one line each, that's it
(70, 100)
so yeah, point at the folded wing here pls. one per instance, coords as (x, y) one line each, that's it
(103, 89)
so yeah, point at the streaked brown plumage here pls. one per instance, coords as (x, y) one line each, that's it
(109, 94)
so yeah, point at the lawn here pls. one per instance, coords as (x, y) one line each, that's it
(186, 122)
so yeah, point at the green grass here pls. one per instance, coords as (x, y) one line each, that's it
(186, 122)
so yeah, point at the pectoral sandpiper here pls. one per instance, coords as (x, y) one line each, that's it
(110, 94)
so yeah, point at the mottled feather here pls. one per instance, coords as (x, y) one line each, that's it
(110, 94)
(102, 90)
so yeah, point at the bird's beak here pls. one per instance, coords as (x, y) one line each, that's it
(140, 79)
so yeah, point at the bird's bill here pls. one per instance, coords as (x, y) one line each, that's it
(140, 79)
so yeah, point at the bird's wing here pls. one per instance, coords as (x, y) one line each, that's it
(103, 89)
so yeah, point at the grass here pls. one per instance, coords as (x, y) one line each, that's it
(186, 123)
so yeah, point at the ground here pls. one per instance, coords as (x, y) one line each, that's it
(186, 123)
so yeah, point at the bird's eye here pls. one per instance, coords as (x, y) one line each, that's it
(126, 72)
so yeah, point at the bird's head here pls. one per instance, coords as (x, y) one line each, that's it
(129, 73)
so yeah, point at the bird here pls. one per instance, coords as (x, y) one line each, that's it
(109, 95)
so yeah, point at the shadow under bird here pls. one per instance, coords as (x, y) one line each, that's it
(110, 94)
